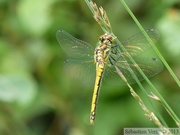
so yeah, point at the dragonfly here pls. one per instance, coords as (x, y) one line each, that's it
(94, 64)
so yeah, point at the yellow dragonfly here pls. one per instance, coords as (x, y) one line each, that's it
(92, 64)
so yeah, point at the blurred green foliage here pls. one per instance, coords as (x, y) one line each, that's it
(37, 97)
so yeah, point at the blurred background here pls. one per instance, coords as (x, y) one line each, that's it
(37, 97)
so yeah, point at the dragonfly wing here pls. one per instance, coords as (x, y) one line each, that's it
(82, 70)
(111, 76)
(138, 43)
(149, 65)
(74, 48)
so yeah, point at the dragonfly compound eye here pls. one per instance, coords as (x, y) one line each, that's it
(106, 38)
(109, 37)
(101, 38)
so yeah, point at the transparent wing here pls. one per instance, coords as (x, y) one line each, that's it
(74, 48)
(141, 51)
(149, 65)
(81, 65)
(139, 44)
(82, 70)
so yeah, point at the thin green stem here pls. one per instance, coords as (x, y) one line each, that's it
(154, 47)
(149, 114)
(164, 103)
(137, 80)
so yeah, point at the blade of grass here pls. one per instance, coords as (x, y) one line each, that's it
(154, 47)
(164, 103)
(148, 113)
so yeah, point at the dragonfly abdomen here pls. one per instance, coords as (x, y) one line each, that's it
(99, 75)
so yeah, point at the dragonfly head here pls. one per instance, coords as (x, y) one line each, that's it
(106, 38)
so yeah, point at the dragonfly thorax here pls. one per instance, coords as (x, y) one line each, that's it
(102, 50)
